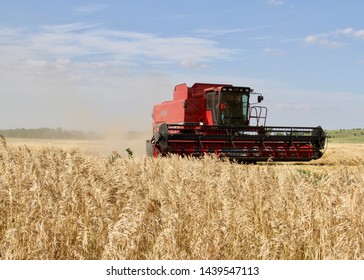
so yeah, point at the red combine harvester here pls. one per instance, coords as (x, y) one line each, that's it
(219, 119)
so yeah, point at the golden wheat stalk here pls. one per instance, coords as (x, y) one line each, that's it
(3, 141)
(59, 204)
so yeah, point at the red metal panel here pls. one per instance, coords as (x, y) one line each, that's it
(180, 92)
(169, 112)
(184, 110)
(200, 87)
(188, 105)
(195, 109)
(209, 118)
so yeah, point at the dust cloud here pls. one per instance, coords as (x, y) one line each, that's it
(62, 94)
(118, 137)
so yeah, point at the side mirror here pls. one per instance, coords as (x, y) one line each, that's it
(260, 98)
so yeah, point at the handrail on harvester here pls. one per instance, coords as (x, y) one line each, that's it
(260, 114)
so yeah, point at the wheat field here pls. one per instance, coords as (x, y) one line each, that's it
(60, 203)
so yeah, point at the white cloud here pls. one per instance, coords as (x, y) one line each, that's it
(359, 34)
(331, 39)
(211, 32)
(78, 40)
(88, 9)
(68, 28)
(322, 40)
(311, 39)
(54, 73)
(274, 2)
(191, 64)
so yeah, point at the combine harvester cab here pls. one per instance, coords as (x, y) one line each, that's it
(219, 119)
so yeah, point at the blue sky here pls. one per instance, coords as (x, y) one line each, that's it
(90, 65)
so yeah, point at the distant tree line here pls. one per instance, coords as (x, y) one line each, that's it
(345, 133)
(49, 133)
